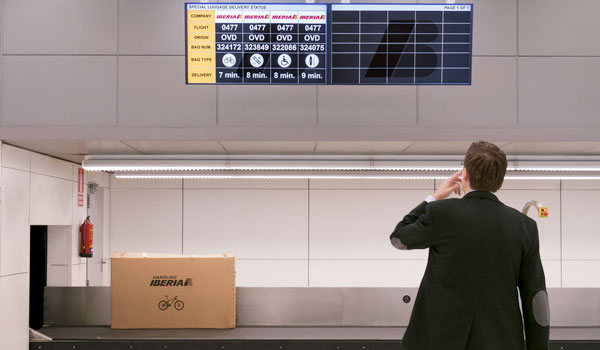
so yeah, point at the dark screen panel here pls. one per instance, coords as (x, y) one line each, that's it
(401, 44)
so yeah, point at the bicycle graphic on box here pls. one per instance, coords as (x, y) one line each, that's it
(165, 304)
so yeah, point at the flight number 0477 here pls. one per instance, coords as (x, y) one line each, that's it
(229, 26)
(312, 27)
(257, 27)
(285, 27)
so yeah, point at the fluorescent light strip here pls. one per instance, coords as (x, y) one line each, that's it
(291, 168)
(337, 177)
(570, 169)
(278, 177)
(188, 168)
(552, 177)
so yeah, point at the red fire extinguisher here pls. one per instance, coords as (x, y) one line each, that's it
(86, 239)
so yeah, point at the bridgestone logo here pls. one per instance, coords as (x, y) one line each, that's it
(170, 281)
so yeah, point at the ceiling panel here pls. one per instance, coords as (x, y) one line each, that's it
(79, 147)
(74, 150)
(176, 147)
(269, 147)
(75, 158)
(361, 147)
(439, 147)
(553, 148)
(594, 151)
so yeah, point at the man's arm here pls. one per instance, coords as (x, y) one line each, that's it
(534, 298)
(399, 238)
(415, 230)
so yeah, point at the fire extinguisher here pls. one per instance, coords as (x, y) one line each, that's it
(86, 239)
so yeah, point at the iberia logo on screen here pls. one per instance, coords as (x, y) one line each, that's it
(285, 17)
(257, 16)
(305, 17)
(234, 16)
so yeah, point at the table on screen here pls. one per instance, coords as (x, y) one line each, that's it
(257, 43)
(400, 44)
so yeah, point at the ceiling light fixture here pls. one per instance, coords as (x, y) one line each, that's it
(335, 177)
(334, 167)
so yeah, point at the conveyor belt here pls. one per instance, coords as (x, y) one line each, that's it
(266, 338)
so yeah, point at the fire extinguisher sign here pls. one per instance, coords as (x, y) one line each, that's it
(80, 187)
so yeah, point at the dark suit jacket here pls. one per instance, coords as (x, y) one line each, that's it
(480, 252)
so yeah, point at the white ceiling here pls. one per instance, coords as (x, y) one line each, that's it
(76, 150)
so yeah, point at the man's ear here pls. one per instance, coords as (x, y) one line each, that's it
(465, 174)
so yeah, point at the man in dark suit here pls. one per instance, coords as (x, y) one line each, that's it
(480, 252)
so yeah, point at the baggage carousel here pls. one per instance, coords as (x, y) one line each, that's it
(265, 338)
(289, 319)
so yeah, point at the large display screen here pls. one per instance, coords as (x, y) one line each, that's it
(257, 43)
(405, 44)
(400, 44)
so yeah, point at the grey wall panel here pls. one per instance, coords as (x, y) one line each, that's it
(367, 105)
(377, 306)
(1, 53)
(558, 27)
(152, 92)
(565, 311)
(489, 102)
(146, 220)
(370, 1)
(267, 105)
(208, 228)
(59, 90)
(289, 306)
(15, 312)
(152, 27)
(494, 26)
(60, 27)
(580, 239)
(257, 1)
(559, 91)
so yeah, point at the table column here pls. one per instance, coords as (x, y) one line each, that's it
(456, 47)
(373, 47)
(345, 51)
(201, 47)
(284, 47)
(229, 57)
(312, 57)
(401, 47)
(256, 47)
(428, 58)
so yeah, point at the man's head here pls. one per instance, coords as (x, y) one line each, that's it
(485, 166)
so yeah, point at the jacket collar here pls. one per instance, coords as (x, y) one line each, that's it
(481, 194)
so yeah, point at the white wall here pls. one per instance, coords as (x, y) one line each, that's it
(532, 60)
(332, 233)
(14, 248)
(36, 190)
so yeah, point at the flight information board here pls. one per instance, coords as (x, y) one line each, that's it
(408, 44)
(401, 44)
(256, 43)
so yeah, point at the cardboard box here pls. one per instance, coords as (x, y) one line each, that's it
(172, 291)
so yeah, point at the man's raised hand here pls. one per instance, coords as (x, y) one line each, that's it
(451, 184)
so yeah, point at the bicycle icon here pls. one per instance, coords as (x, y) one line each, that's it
(164, 304)
(229, 60)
